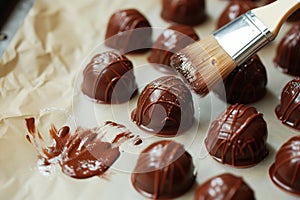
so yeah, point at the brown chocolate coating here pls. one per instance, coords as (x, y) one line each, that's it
(238, 137)
(285, 172)
(288, 112)
(165, 107)
(224, 187)
(80, 155)
(188, 12)
(245, 84)
(173, 39)
(294, 17)
(234, 9)
(163, 170)
(288, 53)
(109, 78)
(128, 31)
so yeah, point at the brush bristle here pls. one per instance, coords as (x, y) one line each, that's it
(203, 64)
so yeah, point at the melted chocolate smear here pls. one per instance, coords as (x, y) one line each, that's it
(80, 155)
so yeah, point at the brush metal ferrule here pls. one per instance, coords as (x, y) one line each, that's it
(243, 37)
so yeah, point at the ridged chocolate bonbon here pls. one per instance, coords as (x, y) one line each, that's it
(288, 112)
(109, 78)
(285, 171)
(163, 170)
(129, 31)
(188, 12)
(238, 137)
(224, 187)
(165, 107)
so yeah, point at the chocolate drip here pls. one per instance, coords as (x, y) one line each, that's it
(173, 39)
(165, 107)
(163, 170)
(285, 172)
(238, 137)
(245, 84)
(288, 52)
(288, 112)
(128, 31)
(109, 78)
(189, 12)
(234, 9)
(224, 187)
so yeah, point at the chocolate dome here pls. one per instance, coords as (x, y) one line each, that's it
(238, 137)
(288, 112)
(165, 107)
(224, 187)
(288, 52)
(234, 9)
(163, 170)
(285, 172)
(128, 31)
(109, 78)
(189, 12)
(245, 84)
(170, 41)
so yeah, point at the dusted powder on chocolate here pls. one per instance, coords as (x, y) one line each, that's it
(224, 187)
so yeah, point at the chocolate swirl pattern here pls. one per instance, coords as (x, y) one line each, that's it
(128, 31)
(288, 112)
(224, 187)
(163, 170)
(238, 137)
(165, 107)
(173, 39)
(245, 84)
(288, 53)
(188, 12)
(109, 78)
(285, 172)
(82, 154)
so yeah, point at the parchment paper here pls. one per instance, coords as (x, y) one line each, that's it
(38, 71)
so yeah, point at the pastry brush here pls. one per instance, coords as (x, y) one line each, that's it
(204, 63)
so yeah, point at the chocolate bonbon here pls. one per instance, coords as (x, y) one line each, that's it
(128, 31)
(285, 171)
(234, 9)
(224, 187)
(288, 112)
(188, 12)
(238, 137)
(170, 41)
(109, 78)
(287, 54)
(245, 84)
(164, 170)
(165, 107)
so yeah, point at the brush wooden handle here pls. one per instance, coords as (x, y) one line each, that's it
(273, 15)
